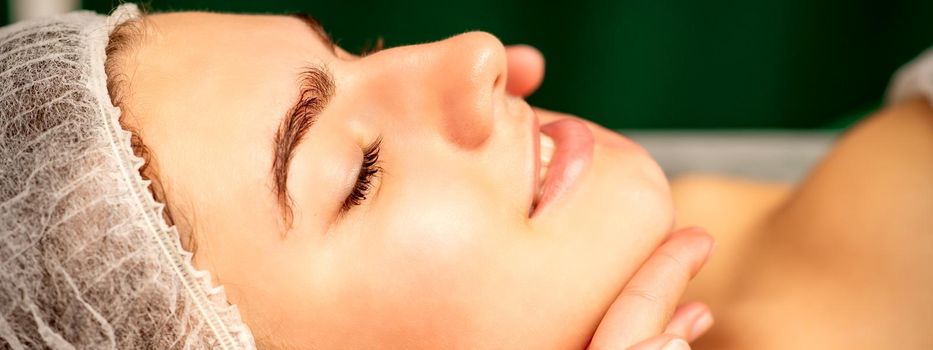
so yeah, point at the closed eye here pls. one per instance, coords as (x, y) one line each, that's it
(369, 169)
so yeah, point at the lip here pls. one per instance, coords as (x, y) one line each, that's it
(573, 153)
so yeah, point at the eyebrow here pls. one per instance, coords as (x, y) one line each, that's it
(316, 87)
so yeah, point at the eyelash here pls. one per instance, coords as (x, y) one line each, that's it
(368, 170)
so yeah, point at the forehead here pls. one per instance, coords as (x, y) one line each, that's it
(211, 89)
(203, 67)
(201, 58)
(202, 32)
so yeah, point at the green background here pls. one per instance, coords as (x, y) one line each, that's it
(661, 64)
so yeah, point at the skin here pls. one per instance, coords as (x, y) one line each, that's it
(644, 305)
(420, 263)
(442, 253)
(845, 253)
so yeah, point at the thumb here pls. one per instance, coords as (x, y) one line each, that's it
(662, 342)
(525, 69)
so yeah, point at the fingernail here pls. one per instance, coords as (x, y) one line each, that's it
(701, 325)
(676, 344)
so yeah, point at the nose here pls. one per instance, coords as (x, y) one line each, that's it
(482, 55)
(460, 83)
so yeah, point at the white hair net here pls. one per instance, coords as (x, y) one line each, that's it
(86, 260)
(913, 80)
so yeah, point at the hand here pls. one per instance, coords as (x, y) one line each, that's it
(688, 323)
(647, 302)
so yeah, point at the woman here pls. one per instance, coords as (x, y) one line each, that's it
(345, 186)
(351, 231)
(407, 198)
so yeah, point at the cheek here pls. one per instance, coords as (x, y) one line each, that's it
(434, 232)
(636, 192)
(414, 270)
(436, 208)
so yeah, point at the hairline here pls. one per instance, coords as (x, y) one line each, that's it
(125, 40)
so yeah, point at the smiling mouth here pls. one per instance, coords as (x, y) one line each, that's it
(565, 153)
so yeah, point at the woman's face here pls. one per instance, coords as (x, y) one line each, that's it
(444, 251)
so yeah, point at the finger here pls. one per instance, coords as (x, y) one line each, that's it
(644, 306)
(662, 342)
(525, 69)
(690, 321)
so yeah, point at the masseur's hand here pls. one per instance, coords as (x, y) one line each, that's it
(645, 307)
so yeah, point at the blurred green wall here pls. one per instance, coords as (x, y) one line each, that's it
(661, 64)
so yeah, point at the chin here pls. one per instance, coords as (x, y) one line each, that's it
(637, 185)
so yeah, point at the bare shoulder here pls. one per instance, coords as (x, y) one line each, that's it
(878, 180)
(883, 163)
(845, 251)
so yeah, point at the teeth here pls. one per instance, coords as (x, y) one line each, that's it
(547, 151)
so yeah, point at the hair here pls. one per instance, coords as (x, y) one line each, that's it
(124, 41)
